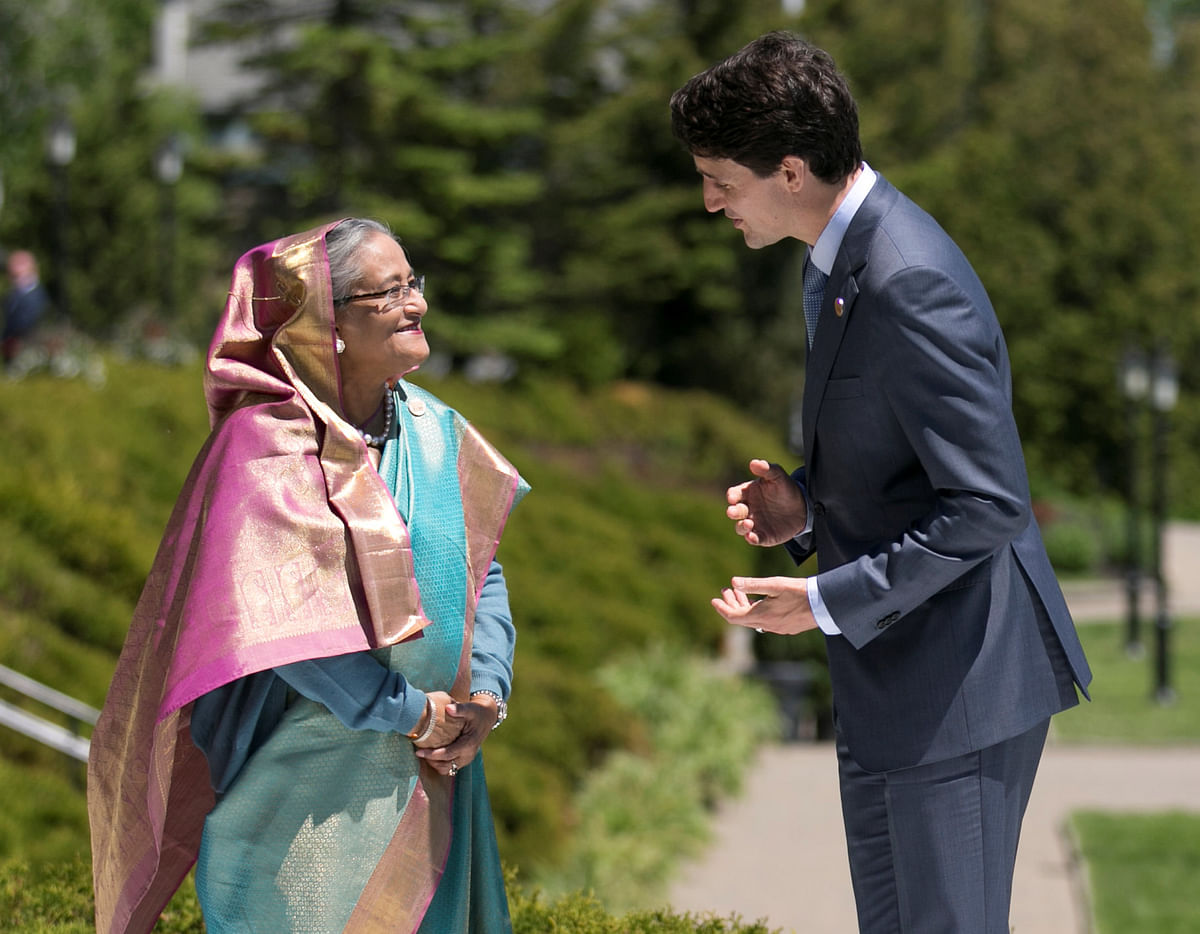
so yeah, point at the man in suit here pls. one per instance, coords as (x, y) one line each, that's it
(950, 645)
(24, 305)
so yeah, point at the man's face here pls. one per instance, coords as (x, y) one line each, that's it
(759, 207)
(21, 268)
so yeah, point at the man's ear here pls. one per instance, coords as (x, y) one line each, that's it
(795, 172)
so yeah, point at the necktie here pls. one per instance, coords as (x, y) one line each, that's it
(814, 292)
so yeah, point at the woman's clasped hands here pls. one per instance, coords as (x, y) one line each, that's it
(459, 732)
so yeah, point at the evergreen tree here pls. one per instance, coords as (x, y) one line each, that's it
(1042, 141)
(87, 63)
(410, 115)
(1180, 89)
(671, 292)
(525, 152)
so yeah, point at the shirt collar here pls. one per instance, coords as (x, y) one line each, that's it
(825, 250)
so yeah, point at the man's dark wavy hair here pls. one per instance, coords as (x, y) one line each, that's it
(779, 96)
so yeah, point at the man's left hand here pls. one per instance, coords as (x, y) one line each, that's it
(784, 607)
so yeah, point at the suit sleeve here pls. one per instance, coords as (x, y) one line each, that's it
(801, 547)
(941, 366)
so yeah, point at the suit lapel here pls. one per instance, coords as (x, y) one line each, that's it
(840, 295)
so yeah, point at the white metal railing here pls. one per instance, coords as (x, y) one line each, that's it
(64, 740)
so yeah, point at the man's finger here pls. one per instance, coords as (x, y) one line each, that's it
(737, 493)
(735, 598)
(766, 586)
(732, 612)
(749, 584)
(760, 467)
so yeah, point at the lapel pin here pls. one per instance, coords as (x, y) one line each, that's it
(839, 306)
(417, 407)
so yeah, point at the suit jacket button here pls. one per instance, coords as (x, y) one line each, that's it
(888, 620)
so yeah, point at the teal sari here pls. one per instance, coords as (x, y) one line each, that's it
(331, 829)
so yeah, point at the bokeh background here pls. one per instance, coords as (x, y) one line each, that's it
(619, 344)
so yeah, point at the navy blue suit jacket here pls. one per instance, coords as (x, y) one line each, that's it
(23, 310)
(955, 632)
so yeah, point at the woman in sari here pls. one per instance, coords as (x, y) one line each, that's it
(324, 640)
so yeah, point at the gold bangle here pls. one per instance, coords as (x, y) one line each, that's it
(431, 726)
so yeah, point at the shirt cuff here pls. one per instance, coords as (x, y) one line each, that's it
(820, 612)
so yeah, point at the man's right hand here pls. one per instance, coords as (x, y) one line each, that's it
(768, 510)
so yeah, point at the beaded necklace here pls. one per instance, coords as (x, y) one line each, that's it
(389, 416)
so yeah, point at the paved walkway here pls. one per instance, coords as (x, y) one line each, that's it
(779, 853)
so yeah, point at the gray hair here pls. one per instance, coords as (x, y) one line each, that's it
(342, 244)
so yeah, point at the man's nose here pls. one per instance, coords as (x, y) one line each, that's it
(713, 201)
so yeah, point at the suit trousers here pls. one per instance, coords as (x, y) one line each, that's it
(932, 848)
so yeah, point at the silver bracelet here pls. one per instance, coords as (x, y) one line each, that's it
(432, 722)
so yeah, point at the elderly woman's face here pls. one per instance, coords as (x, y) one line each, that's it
(382, 341)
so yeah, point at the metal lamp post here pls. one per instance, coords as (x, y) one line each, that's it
(168, 166)
(1163, 396)
(1135, 385)
(60, 150)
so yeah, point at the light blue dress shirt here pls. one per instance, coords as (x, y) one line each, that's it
(822, 254)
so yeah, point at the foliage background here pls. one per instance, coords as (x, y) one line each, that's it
(522, 149)
(610, 563)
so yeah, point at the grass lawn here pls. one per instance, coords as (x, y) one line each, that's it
(1142, 870)
(1123, 708)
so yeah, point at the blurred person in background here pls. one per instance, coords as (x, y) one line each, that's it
(324, 641)
(24, 305)
(950, 644)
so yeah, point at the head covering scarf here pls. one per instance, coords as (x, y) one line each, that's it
(284, 545)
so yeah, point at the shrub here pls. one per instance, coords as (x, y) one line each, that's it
(643, 811)
(59, 901)
(582, 913)
(1074, 548)
(621, 545)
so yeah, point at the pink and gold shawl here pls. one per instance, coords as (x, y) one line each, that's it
(284, 545)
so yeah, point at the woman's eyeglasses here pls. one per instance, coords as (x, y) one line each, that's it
(394, 297)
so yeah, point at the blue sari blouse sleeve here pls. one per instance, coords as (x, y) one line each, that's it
(228, 724)
(495, 637)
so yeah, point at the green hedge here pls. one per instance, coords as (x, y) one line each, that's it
(60, 902)
(620, 546)
(635, 816)
(647, 807)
